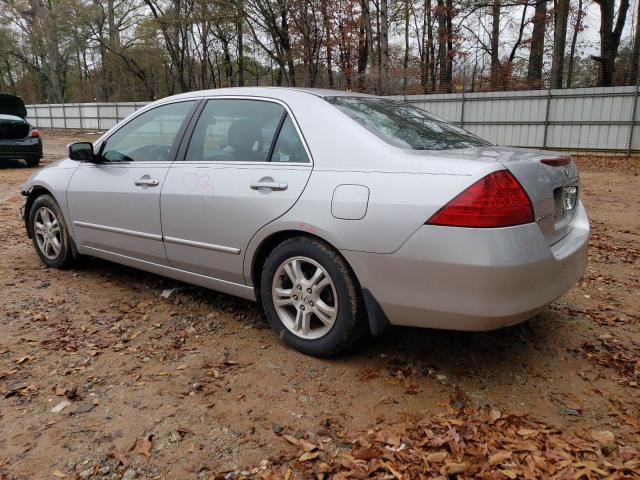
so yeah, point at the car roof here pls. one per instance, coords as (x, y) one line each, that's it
(280, 93)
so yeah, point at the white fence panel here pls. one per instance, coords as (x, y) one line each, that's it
(89, 116)
(592, 119)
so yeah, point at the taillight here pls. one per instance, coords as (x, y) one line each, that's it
(34, 133)
(497, 200)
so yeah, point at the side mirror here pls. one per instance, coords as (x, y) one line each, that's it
(81, 151)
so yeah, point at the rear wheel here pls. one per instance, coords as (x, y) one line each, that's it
(49, 233)
(32, 162)
(311, 298)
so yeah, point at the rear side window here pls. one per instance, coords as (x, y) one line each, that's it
(239, 130)
(289, 147)
(235, 130)
(404, 125)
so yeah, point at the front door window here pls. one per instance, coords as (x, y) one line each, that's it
(148, 137)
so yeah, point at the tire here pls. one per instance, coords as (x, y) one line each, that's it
(45, 216)
(32, 162)
(334, 315)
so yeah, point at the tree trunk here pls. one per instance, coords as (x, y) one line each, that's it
(431, 47)
(496, 80)
(536, 56)
(635, 57)
(384, 47)
(424, 49)
(449, 14)
(286, 43)
(574, 40)
(610, 37)
(240, 28)
(442, 34)
(363, 51)
(445, 44)
(405, 61)
(560, 19)
(326, 22)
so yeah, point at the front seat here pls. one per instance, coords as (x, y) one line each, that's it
(245, 137)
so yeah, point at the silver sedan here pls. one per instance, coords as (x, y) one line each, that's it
(340, 213)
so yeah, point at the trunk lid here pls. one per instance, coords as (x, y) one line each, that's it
(13, 128)
(549, 186)
(12, 105)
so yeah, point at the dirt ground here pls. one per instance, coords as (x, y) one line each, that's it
(198, 385)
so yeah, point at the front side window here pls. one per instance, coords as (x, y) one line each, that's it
(404, 125)
(148, 137)
(239, 130)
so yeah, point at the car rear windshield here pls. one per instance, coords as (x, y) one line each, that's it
(405, 125)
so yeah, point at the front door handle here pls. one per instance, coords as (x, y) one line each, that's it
(270, 185)
(147, 182)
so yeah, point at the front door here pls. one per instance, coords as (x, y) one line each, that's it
(245, 165)
(115, 204)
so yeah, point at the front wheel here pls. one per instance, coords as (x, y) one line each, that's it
(311, 298)
(49, 233)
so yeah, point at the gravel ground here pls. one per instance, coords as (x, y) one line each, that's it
(101, 377)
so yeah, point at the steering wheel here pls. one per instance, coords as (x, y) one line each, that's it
(158, 153)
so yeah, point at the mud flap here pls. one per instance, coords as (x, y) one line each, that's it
(378, 321)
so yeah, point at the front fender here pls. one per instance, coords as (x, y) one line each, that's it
(53, 179)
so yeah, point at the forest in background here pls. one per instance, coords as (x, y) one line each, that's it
(123, 50)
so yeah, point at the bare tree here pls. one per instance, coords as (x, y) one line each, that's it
(635, 55)
(610, 34)
(560, 20)
(383, 76)
(536, 56)
(577, 28)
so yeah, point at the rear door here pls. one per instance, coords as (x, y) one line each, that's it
(115, 205)
(244, 166)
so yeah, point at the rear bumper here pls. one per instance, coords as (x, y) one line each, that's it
(473, 279)
(21, 148)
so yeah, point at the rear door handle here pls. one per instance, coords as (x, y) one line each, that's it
(147, 182)
(269, 185)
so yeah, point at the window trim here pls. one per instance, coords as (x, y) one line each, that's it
(175, 148)
(181, 156)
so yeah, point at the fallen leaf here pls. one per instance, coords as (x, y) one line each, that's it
(454, 468)
(61, 406)
(364, 453)
(307, 446)
(605, 438)
(499, 457)
(291, 439)
(436, 457)
(144, 445)
(305, 457)
(120, 456)
(509, 473)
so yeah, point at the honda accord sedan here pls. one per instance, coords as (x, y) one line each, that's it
(18, 139)
(340, 213)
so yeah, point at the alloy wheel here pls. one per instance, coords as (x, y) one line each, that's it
(304, 297)
(46, 229)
